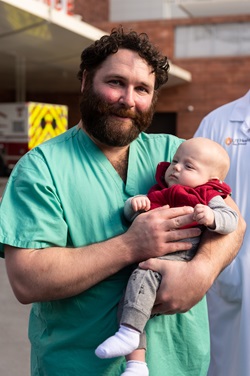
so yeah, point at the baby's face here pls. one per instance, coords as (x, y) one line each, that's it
(190, 167)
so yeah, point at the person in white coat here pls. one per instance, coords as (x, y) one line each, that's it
(229, 297)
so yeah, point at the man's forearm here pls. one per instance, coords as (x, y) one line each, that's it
(57, 273)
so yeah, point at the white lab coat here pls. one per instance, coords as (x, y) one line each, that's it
(229, 297)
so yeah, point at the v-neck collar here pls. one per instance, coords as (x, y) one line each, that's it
(101, 159)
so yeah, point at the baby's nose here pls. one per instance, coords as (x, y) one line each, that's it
(177, 167)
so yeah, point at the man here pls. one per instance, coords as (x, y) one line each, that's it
(228, 299)
(68, 248)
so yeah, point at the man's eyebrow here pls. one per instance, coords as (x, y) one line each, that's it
(117, 76)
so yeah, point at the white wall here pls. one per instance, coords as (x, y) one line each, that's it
(135, 10)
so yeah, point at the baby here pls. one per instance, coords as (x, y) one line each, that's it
(194, 178)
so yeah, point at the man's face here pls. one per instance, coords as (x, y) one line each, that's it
(118, 103)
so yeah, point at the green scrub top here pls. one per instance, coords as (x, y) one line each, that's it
(66, 193)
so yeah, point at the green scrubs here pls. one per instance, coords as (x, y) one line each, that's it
(66, 193)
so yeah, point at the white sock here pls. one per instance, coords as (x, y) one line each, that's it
(136, 368)
(123, 342)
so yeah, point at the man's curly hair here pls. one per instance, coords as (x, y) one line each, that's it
(97, 52)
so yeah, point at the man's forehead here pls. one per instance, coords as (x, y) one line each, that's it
(129, 60)
(128, 66)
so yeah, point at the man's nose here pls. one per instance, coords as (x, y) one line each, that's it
(127, 98)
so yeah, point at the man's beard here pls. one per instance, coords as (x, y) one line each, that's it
(100, 121)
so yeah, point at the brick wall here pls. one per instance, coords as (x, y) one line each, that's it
(92, 10)
(214, 83)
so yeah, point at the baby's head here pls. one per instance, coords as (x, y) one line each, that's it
(197, 161)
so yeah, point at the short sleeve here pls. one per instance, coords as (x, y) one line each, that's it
(31, 215)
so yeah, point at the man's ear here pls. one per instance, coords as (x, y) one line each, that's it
(83, 80)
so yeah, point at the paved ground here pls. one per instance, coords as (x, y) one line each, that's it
(14, 344)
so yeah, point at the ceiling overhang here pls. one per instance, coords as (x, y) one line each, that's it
(40, 48)
(178, 76)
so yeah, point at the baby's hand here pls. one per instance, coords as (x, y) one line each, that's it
(204, 215)
(140, 203)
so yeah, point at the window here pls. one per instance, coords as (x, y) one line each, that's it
(208, 40)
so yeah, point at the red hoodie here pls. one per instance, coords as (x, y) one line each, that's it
(179, 195)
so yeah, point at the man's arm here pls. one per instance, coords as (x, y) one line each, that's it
(56, 273)
(185, 283)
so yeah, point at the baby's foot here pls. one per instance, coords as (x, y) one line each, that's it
(122, 343)
(136, 368)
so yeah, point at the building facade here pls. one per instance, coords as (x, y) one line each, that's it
(215, 50)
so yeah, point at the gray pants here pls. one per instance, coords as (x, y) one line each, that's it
(141, 290)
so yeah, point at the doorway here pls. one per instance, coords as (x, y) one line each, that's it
(163, 122)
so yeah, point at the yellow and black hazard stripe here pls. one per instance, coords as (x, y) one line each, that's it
(46, 121)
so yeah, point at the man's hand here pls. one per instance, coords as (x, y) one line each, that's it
(185, 283)
(182, 285)
(157, 233)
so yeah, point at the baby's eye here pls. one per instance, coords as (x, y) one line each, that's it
(174, 161)
(189, 167)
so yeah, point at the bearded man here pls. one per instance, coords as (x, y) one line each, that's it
(67, 245)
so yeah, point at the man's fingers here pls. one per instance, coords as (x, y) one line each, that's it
(152, 264)
(179, 234)
(175, 217)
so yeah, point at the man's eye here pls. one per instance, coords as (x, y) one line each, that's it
(115, 82)
(142, 89)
